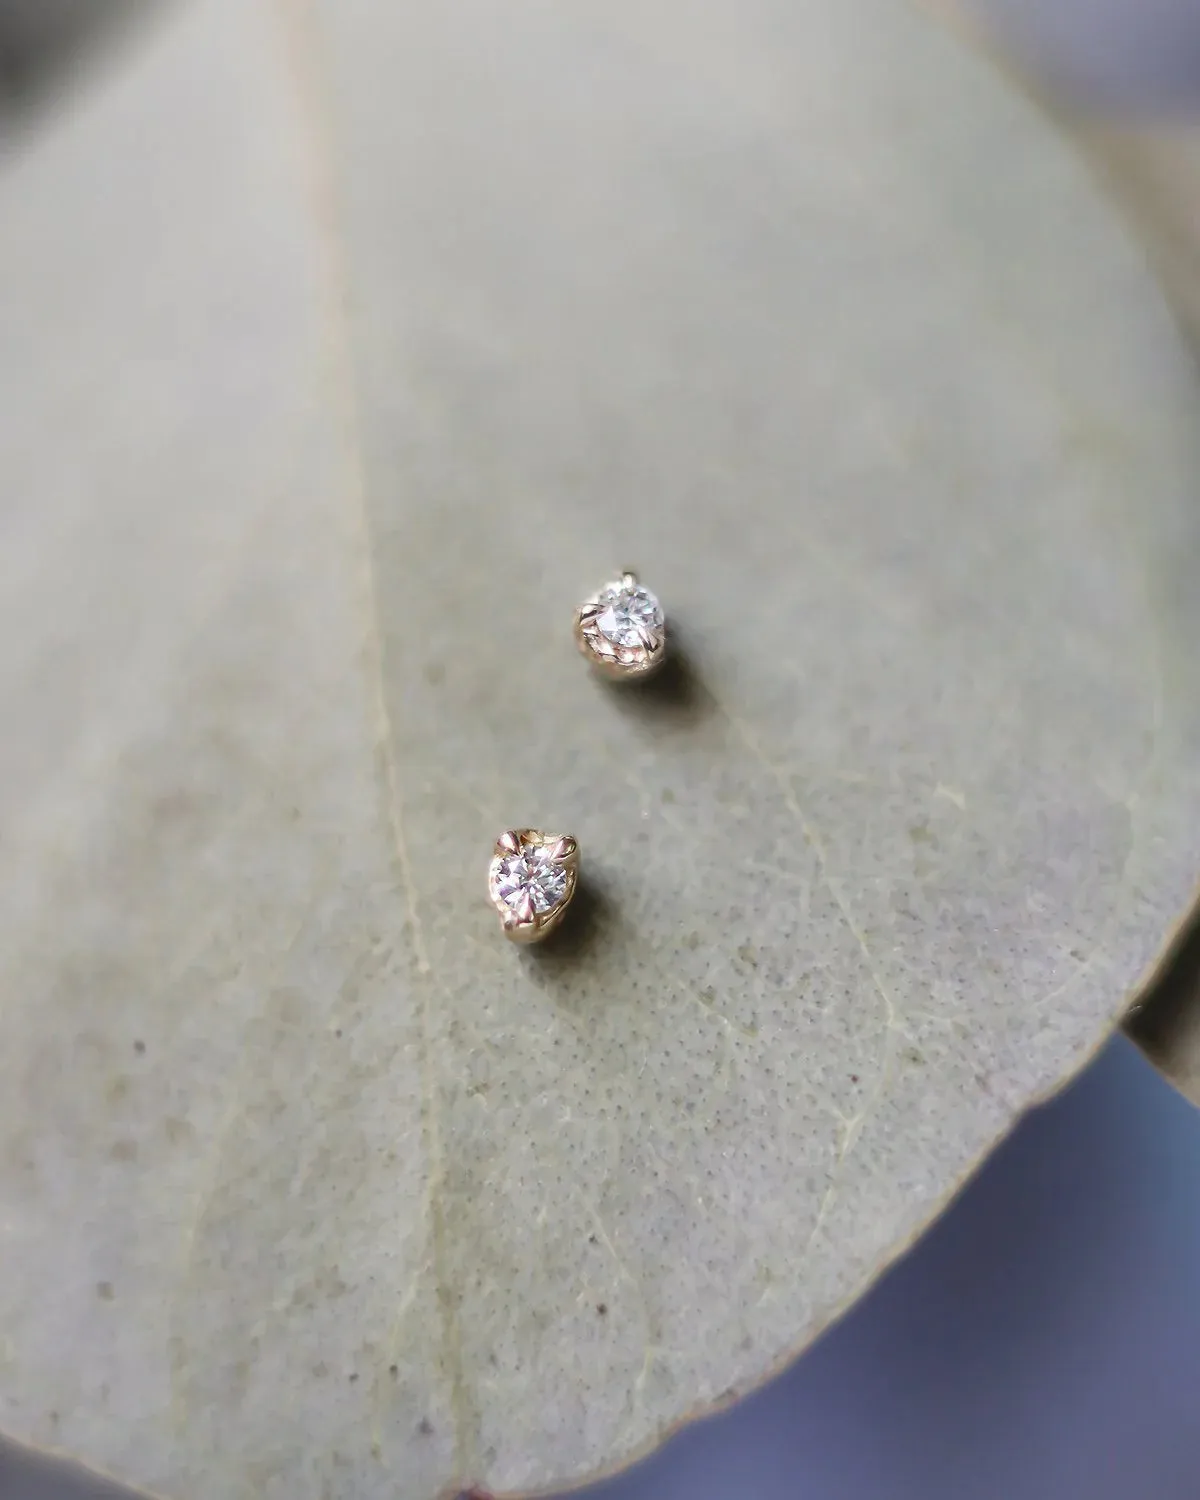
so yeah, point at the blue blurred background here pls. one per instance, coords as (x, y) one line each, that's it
(1041, 1343)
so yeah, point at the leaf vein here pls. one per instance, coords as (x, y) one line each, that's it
(311, 91)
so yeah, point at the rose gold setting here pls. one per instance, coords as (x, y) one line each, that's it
(520, 917)
(619, 661)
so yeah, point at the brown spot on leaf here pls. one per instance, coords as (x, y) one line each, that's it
(175, 806)
(291, 1009)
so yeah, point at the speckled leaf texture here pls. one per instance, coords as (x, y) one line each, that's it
(342, 351)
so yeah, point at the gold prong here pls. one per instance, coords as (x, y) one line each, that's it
(563, 849)
(509, 842)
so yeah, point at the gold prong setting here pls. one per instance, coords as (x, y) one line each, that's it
(622, 629)
(531, 881)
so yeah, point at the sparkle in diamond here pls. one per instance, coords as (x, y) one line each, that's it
(529, 871)
(629, 616)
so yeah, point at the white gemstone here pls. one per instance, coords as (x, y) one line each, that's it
(528, 872)
(629, 615)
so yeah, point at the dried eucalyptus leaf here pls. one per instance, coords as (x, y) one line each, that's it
(341, 354)
(1155, 175)
(1152, 172)
(1165, 1022)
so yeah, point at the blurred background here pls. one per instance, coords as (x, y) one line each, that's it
(1043, 1341)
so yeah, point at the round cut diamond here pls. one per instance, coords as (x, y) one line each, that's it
(530, 872)
(629, 615)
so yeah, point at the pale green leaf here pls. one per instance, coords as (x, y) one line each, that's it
(341, 352)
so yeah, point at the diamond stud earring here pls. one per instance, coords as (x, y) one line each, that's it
(531, 880)
(622, 630)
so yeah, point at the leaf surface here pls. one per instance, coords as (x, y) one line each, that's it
(344, 350)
